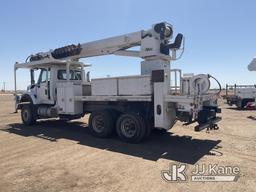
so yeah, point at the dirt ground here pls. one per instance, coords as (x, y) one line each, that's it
(57, 156)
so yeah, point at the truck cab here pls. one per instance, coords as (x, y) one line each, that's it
(46, 92)
(44, 88)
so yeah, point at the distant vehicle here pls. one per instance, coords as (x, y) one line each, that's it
(240, 95)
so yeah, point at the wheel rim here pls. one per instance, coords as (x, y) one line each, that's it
(98, 123)
(128, 128)
(25, 115)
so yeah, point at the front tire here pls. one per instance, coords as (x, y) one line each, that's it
(229, 102)
(27, 116)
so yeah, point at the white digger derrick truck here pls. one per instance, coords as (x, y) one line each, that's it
(131, 105)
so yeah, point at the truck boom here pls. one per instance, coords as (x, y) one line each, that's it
(151, 42)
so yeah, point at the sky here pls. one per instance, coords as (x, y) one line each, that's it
(220, 35)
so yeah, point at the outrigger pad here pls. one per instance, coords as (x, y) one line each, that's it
(212, 124)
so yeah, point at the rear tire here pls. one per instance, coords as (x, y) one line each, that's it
(240, 104)
(101, 123)
(27, 116)
(131, 127)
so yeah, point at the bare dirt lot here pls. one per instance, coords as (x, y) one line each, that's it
(57, 156)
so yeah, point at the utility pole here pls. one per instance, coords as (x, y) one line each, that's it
(4, 83)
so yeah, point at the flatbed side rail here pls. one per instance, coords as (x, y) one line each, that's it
(147, 98)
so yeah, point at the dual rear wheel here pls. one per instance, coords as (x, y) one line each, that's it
(130, 126)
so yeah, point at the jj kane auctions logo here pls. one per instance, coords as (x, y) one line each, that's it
(201, 173)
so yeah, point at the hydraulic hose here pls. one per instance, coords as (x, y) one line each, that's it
(27, 58)
(218, 84)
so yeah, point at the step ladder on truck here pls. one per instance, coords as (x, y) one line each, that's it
(130, 105)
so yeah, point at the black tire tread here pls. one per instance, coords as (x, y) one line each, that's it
(108, 121)
(141, 124)
(32, 119)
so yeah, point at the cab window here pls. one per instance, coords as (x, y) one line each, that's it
(74, 75)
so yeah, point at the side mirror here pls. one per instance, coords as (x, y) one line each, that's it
(177, 42)
(88, 76)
